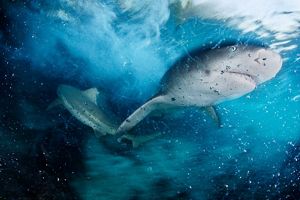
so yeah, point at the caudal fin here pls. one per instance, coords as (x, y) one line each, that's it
(133, 140)
(140, 114)
(137, 140)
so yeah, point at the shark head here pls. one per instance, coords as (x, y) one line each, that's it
(260, 64)
(235, 70)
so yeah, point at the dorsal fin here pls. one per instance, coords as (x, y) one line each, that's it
(92, 94)
(100, 98)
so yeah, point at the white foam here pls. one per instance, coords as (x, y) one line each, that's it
(269, 18)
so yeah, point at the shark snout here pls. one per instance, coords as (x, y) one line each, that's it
(267, 64)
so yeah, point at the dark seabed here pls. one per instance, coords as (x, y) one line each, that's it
(124, 48)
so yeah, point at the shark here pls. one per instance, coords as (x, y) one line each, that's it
(205, 77)
(84, 106)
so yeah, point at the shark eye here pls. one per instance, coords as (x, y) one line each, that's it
(233, 48)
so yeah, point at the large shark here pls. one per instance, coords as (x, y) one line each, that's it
(206, 77)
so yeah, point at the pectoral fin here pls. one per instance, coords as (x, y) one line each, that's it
(211, 111)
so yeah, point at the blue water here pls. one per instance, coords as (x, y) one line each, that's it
(125, 49)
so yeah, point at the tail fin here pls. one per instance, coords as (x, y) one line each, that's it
(133, 140)
(140, 114)
(137, 140)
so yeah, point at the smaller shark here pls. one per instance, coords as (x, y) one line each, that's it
(91, 108)
(83, 105)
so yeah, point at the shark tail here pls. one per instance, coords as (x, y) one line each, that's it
(140, 114)
(134, 141)
(138, 140)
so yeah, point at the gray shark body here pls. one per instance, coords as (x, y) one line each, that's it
(83, 105)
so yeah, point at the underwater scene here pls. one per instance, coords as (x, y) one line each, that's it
(144, 100)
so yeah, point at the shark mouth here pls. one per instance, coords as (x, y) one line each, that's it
(247, 77)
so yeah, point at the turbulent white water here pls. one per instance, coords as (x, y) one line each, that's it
(276, 19)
